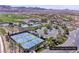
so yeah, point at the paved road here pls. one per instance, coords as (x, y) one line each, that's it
(73, 40)
(1, 45)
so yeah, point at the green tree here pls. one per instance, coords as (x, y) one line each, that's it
(2, 31)
(50, 41)
(44, 20)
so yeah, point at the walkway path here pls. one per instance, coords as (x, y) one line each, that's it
(1, 45)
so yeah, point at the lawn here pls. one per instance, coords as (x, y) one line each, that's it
(12, 18)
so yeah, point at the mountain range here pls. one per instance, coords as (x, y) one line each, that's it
(29, 10)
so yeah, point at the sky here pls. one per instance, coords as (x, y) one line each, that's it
(71, 7)
(49, 4)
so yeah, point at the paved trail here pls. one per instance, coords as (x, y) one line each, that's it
(1, 45)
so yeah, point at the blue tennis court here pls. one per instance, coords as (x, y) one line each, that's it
(26, 40)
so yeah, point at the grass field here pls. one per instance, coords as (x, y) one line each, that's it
(12, 18)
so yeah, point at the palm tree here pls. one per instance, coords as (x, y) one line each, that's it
(50, 41)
